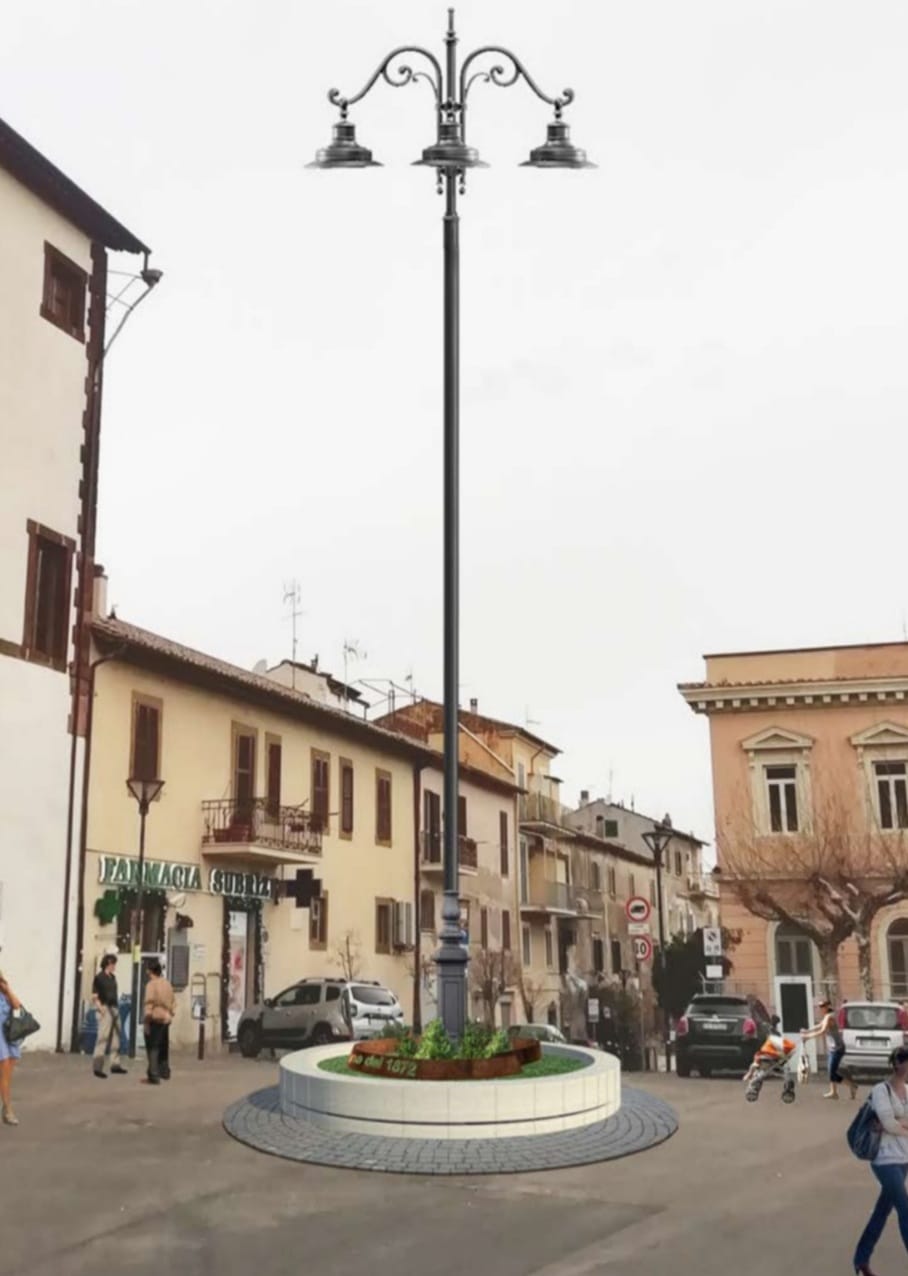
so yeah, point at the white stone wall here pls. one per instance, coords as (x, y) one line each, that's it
(42, 394)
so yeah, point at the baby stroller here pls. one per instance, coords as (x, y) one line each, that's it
(776, 1057)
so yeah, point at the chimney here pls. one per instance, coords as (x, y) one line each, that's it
(474, 705)
(99, 601)
(584, 797)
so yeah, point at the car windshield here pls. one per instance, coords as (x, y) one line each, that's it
(885, 1017)
(370, 996)
(717, 1006)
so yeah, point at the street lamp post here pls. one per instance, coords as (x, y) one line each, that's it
(144, 792)
(657, 839)
(450, 156)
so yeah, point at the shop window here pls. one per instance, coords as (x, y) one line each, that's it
(318, 921)
(154, 907)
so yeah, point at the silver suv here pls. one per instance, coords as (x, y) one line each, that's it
(315, 1012)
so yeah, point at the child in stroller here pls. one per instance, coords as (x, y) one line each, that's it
(775, 1057)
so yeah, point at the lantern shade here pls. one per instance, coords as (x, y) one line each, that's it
(557, 151)
(343, 151)
(144, 791)
(450, 151)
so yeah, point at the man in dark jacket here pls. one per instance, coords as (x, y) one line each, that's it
(106, 1002)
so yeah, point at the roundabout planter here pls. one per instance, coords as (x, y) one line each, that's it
(449, 1109)
(378, 1058)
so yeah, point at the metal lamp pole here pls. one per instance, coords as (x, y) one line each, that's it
(450, 156)
(144, 792)
(657, 839)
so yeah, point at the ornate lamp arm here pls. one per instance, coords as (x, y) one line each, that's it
(504, 77)
(397, 77)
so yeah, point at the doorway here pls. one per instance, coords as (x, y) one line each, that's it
(794, 999)
(242, 961)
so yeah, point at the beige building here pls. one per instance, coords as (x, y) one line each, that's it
(54, 251)
(260, 782)
(810, 772)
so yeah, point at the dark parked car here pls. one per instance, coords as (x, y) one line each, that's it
(720, 1032)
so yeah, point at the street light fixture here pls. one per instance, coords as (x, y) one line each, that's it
(451, 157)
(657, 839)
(144, 792)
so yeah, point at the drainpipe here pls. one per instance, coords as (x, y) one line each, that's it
(83, 843)
(417, 945)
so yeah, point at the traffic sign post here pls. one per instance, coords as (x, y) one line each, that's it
(643, 947)
(638, 928)
(712, 941)
(638, 909)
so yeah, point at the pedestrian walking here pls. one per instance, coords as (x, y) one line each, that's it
(835, 1051)
(106, 1001)
(9, 1051)
(890, 1165)
(160, 1006)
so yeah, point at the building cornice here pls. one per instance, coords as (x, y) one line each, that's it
(810, 693)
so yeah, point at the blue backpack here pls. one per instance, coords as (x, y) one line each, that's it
(864, 1133)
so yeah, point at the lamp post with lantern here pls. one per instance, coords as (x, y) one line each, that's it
(144, 792)
(657, 839)
(451, 157)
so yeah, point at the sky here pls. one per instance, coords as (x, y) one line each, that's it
(684, 372)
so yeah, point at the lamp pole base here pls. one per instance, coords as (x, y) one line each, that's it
(451, 969)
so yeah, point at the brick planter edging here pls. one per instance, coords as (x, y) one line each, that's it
(379, 1059)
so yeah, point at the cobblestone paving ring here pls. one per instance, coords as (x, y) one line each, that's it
(642, 1122)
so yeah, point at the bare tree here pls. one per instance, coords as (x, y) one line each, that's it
(828, 882)
(348, 955)
(531, 991)
(491, 972)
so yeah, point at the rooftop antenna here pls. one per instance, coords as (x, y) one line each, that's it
(293, 596)
(352, 650)
(530, 722)
(611, 778)
(409, 679)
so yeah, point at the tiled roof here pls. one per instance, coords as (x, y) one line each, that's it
(787, 682)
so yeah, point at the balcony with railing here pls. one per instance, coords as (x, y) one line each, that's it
(553, 897)
(259, 830)
(540, 808)
(432, 852)
(701, 886)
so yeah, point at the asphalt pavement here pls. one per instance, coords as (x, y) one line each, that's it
(116, 1176)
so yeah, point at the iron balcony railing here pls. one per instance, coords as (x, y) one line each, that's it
(259, 822)
(433, 850)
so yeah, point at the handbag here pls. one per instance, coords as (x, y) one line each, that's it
(864, 1133)
(19, 1025)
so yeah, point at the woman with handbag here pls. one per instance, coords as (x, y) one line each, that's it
(9, 1051)
(890, 1163)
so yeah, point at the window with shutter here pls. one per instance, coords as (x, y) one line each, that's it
(384, 915)
(484, 927)
(346, 813)
(431, 851)
(598, 956)
(243, 771)
(48, 596)
(427, 910)
(321, 787)
(526, 945)
(318, 921)
(616, 957)
(383, 808)
(145, 762)
(63, 300)
(503, 842)
(506, 930)
(462, 816)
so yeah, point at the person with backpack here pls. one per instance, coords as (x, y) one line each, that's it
(884, 1142)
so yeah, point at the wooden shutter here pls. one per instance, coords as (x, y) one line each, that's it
(427, 910)
(346, 827)
(244, 772)
(383, 807)
(483, 928)
(506, 930)
(273, 784)
(503, 840)
(145, 741)
(462, 816)
(321, 794)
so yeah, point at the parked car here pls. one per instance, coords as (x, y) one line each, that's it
(872, 1030)
(719, 1032)
(369, 1008)
(541, 1031)
(315, 1012)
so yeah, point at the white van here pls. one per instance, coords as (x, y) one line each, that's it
(872, 1030)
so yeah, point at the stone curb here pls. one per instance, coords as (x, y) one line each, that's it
(642, 1122)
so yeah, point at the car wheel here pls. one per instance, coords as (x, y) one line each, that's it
(250, 1040)
(682, 1067)
(321, 1035)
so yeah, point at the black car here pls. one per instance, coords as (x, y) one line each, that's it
(720, 1032)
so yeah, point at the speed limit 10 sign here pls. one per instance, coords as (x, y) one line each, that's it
(643, 947)
(637, 909)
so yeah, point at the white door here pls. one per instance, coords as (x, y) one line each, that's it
(794, 1006)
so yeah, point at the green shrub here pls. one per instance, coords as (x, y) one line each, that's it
(435, 1042)
(498, 1043)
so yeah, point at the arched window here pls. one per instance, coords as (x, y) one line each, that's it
(897, 943)
(794, 952)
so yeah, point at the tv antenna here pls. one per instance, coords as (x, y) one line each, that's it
(528, 721)
(293, 596)
(352, 651)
